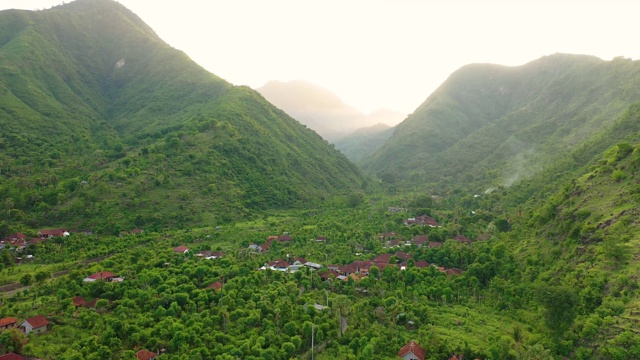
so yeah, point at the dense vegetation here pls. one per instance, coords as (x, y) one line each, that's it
(103, 120)
(107, 128)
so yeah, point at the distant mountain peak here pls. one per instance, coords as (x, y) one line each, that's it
(322, 110)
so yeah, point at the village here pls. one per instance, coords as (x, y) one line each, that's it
(354, 272)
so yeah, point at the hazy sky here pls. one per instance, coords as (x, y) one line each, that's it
(379, 54)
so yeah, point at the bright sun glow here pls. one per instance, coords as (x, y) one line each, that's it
(378, 54)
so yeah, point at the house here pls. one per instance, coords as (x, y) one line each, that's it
(79, 301)
(393, 243)
(453, 272)
(216, 286)
(49, 233)
(354, 277)
(422, 263)
(402, 255)
(333, 267)
(388, 236)
(434, 244)
(137, 231)
(284, 238)
(325, 275)
(146, 355)
(35, 241)
(36, 324)
(12, 356)
(313, 265)
(15, 237)
(412, 351)
(463, 239)
(278, 265)
(297, 265)
(208, 254)
(8, 323)
(420, 240)
(422, 220)
(103, 275)
(181, 249)
(321, 239)
(259, 249)
(382, 259)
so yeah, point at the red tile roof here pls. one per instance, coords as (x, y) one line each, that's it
(12, 356)
(180, 249)
(102, 275)
(420, 240)
(412, 347)
(421, 263)
(79, 301)
(434, 244)
(17, 236)
(145, 355)
(7, 321)
(279, 263)
(462, 239)
(402, 255)
(382, 259)
(37, 321)
(217, 286)
(284, 238)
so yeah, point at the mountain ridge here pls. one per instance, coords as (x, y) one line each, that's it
(487, 118)
(125, 130)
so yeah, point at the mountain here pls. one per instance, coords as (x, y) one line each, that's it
(363, 142)
(582, 234)
(322, 110)
(490, 125)
(105, 125)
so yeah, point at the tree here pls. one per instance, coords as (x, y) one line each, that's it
(537, 352)
(517, 335)
(559, 303)
(355, 199)
(41, 276)
(25, 280)
(342, 306)
(12, 340)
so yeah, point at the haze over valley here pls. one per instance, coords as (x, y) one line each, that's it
(153, 208)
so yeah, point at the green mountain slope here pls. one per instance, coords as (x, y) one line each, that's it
(363, 142)
(104, 124)
(492, 125)
(584, 236)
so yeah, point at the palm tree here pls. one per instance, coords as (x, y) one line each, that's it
(342, 306)
(517, 335)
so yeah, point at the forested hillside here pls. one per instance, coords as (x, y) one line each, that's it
(491, 125)
(363, 142)
(105, 126)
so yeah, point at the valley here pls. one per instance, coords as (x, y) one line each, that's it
(151, 210)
